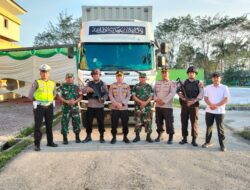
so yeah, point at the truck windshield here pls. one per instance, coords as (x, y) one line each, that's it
(117, 56)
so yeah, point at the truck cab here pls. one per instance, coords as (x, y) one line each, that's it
(113, 38)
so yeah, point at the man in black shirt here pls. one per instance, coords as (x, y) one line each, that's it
(190, 95)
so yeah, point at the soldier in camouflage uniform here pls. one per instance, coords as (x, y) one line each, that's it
(70, 95)
(142, 95)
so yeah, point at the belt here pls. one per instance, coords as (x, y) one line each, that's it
(45, 107)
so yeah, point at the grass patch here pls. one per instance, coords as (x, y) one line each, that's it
(18, 146)
(26, 132)
(7, 155)
(245, 133)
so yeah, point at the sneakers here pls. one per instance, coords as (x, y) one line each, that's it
(223, 149)
(206, 145)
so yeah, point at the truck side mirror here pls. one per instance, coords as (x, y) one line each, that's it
(161, 61)
(164, 48)
(70, 52)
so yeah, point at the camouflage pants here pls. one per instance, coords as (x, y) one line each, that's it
(143, 119)
(67, 113)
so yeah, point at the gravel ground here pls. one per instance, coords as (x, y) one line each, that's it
(134, 166)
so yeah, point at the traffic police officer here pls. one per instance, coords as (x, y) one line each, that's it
(164, 93)
(142, 94)
(43, 93)
(97, 93)
(119, 94)
(193, 90)
(70, 95)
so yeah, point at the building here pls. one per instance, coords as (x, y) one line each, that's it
(10, 23)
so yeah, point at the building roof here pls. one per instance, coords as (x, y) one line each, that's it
(12, 6)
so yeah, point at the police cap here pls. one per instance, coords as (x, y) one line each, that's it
(44, 67)
(119, 73)
(164, 69)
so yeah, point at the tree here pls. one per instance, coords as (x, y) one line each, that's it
(217, 41)
(65, 31)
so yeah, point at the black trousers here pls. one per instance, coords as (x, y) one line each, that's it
(166, 114)
(192, 114)
(41, 112)
(116, 114)
(219, 119)
(97, 113)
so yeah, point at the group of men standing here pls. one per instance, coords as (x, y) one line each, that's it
(190, 93)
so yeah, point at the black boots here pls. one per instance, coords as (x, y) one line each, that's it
(125, 139)
(158, 139)
(87, 139)
(102, 138)
(194, 142)
(170, 139)
(78, 138)
(65, 139)
(183, 141)
(113, 141)
(137, 137)
(37, 147)
(222, 146)
(149, 138)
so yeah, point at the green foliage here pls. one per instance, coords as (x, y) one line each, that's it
(26, 132)
(180, 73)
(65, 31)
(245, 134)
(5, 156)
(214, 43)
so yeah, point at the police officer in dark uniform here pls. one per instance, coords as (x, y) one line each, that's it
(97, 93)
(190, 93)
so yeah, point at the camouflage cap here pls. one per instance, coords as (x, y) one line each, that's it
(142, 75)
(69, 75)
(119, 73)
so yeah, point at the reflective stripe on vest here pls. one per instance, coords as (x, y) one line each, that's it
(44, 91)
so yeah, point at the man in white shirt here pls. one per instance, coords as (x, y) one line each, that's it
(216, 97)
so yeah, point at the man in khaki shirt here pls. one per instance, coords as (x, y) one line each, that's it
(119, 94)
(164, 93)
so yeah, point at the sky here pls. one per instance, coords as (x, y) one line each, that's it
(40, 12)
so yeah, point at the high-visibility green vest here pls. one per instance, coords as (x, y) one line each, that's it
(45, 91)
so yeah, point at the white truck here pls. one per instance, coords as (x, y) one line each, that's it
(117, 38)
